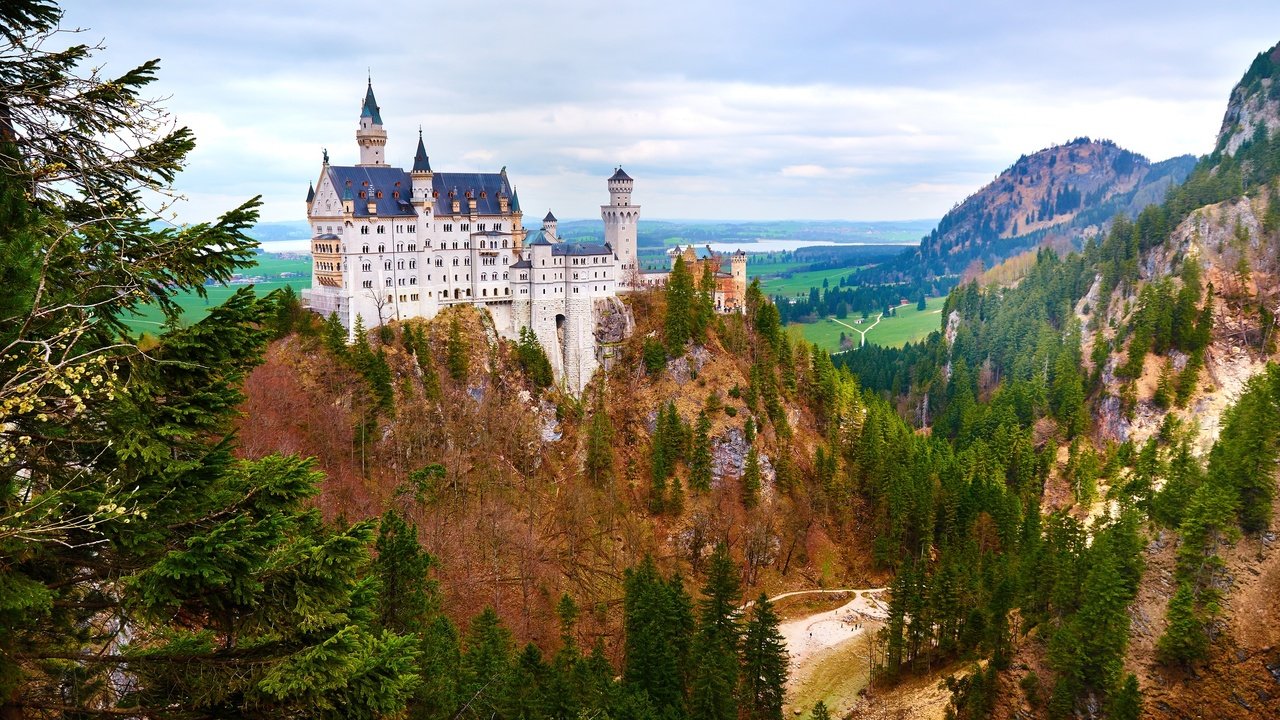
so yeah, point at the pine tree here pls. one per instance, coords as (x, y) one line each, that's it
(1184, 641)
(533, 359)
(715, 651)
(700, 463)
(335, 336)
(127, 507)
(751, 479)
(599, 462)
(764, 664)
(820, 711)
(456, 350)
(680, 303)
(658, 620)
(1126, 703)
(486, 669)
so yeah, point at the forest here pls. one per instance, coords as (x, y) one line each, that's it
(164, 556)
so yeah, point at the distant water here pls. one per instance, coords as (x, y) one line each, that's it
(758, 246)
(286, 246)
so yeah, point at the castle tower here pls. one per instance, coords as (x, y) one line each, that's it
(371, 137)
(738, 270)
(620, 219)
(421, 177)
(549, 224)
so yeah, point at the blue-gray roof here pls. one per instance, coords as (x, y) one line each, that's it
(578, 248)
(549, 217)
(421, 163)
(484, 187)
(619, 175)
(515, 201)
(540, 238)
(311, 192)
(392, 182)
(370, 107)
(521, 264)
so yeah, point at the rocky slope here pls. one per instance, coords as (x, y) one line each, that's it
(1064, 190)
(1254, 103)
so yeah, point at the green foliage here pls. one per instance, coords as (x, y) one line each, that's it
(599, 461)
(532, 359)
(715, 649)
(126, 507)
(700, 460)
(655, 356)
(678, 324)
(751, 479)
(658, 620)
(456, 348)
(764, 664)
(1185, 641)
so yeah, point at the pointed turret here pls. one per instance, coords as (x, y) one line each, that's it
(370, 136)
(311, 193)
(515, 200)
(549, 224)
(421, 163)
(370, 108)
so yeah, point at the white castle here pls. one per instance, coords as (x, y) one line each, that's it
(390, 245)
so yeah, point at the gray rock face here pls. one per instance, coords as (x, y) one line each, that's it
(729, 458)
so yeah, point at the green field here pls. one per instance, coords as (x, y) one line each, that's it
(194, 307)
(907, 325)
(799, 283)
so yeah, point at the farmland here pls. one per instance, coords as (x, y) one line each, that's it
(906, 325)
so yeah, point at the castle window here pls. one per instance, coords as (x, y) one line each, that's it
(455, 262)
(505, 259)
(401, 281)
(382, 230)
(382, 248)
(413, 247)
(575, 289)
(364, 248)
(399, 247)
(497, 227)
(504, 276)
(439, 262)
(455, 244)
(485, 292)
(413, 296)
(504, 244)
(448, 227)
(413, 281)
(466, 227)
(364, 230)
(413, 264)
(367, 267)
(362, 195)
(413, 228)
(466, 245)
(388, 282)
(386, 265)
(506, 291)
(367, 284)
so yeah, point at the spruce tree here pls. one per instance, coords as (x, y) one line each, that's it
(456, 350)
(485, 683)
(764, 664)
(599, 461)
(657, 619)
(124, 504)
(680, 301)
(715, 649)
(700, 462)
(1126, 703)
(751, 479)
(1184, 641)
(820, 711)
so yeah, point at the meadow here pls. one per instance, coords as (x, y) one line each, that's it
(907, 324)
(194, 307)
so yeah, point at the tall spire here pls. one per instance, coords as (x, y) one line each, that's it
(421, 163)
(311, 192)
(370, 107)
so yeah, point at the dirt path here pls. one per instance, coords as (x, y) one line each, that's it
(808, 635)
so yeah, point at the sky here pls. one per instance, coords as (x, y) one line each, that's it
(750, 110)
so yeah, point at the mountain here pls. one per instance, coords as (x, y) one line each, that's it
(1064, 189)
(1254, 103)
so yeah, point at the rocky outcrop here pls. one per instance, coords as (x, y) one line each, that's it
(1254, 103)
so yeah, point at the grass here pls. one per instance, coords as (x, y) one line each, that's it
(195, 307)
(906, 325)
(799, 283)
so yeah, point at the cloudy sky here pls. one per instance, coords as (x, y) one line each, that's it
(720, 110)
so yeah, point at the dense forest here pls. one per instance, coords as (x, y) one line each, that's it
(483, 545)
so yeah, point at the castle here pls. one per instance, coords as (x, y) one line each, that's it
(391, 245)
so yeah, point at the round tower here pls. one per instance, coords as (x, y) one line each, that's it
(620, 221)
(738, 270)
(549, 224)
(371, 138)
